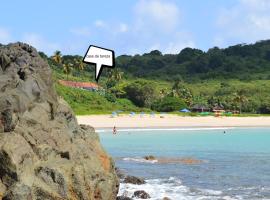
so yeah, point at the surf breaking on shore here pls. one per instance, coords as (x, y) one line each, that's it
(173, 188)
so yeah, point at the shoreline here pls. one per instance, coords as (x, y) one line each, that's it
(171, 121)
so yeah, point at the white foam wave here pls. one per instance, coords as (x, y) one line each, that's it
(141, 160)
(164, 129)
(173, 189)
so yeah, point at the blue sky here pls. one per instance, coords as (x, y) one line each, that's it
(133, 26)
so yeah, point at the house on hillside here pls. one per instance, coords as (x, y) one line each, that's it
(83, 85)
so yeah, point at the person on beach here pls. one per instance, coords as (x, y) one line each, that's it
(114, 130)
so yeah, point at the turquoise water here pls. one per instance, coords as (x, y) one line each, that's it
(236, 164)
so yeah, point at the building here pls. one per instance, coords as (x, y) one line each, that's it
(83, 85)
(218, 110)
(200, 108)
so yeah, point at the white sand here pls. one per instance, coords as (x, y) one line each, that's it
(125, 121)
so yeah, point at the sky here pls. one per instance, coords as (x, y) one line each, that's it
(133, 26)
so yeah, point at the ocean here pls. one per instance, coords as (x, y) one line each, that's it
(234, 164)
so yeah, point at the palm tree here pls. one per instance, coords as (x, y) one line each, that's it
(114, 76)
(67, 67)
(176, 85)
(80, 64)
(179, 90)
(118, 74)
(239, 98)
(57, 57)
(163, 92)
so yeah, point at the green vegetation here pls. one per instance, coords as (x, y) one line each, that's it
(243, 62)
(236, 78)
(168, 104)
(84, 102)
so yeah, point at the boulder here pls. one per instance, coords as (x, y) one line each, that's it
(44, 153)
(134, 180)
(166, 198)
(123, 198)
(141, 194)
(150, 157)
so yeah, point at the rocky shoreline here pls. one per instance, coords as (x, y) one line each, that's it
(127, 179)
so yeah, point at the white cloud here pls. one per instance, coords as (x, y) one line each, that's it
(40, 43)
(247, 21)
(157, 25)
(5, 36)
(256, 4)
(100, 23)
(81, 31)
(123, 28)
(154, 24)
(157, 14)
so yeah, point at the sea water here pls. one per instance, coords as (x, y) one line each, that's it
(235, 164)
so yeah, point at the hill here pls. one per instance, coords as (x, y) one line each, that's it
(234, 78)
(242, 61)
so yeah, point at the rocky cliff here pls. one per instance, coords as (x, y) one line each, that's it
(44, 153)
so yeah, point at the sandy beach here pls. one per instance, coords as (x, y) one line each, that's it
(125, 121)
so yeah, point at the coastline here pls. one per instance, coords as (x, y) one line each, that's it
(171, 121)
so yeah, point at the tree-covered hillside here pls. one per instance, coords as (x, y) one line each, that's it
(236, 79)
(244, 62)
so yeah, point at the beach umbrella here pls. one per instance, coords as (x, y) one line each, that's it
(184, 110)
(132, 114)
(114, 114)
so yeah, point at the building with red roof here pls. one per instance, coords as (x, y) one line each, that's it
(83, 85)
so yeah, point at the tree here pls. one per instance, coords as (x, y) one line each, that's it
(265, 106)
(163, 92)
(141, 93)
(179, 90)
(115, 76)
(188, 54)
(168, 104)
(67, 67)
(57, 57)
(239, 99)
(80, 64)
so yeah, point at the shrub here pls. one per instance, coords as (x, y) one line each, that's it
(141, 93)
(110, 97)
(168, 104)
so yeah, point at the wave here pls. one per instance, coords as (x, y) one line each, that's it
(141, 160)
(163, 129)
(164, 160)
(173, 189)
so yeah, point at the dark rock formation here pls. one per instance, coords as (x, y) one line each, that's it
(123, 198)
(141, 194)
(134, 180)
(150, 157)
(44, 153)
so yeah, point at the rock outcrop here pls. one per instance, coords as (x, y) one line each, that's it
(141, 194)
(44, 153)
(123, 198)
(134, 180)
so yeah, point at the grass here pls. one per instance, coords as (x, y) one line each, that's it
(84, 102)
